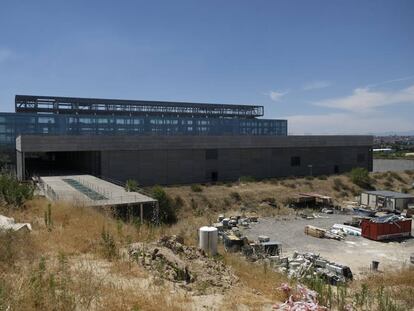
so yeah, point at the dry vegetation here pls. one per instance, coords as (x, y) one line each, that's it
(76, 260)
(209, 200)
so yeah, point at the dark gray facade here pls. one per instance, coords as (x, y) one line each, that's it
(192, 159)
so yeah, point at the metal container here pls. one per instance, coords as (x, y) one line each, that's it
(208, 240)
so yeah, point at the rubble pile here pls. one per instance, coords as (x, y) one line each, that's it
(7, 223)
(299, 298)
(336, 232)
(171, 259)
(303, 265)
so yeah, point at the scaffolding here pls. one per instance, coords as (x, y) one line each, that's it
(95, 106)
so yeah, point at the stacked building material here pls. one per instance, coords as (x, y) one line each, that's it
(315, 231)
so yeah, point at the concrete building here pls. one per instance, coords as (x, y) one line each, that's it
(171, 143)
(189, 159)
(389, 200)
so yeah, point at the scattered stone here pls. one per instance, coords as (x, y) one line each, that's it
(171, 259)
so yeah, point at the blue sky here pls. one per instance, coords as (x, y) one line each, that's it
(327, 66)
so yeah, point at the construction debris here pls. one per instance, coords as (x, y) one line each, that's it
(303, 265)
(7, 223)
(299, 298)
(171, 259)
(315, 231)
(349, 230)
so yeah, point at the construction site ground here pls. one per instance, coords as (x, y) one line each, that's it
(355, 252)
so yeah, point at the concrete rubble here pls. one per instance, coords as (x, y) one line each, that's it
(7, 223)
(303, 265)
(171, 259)
(299, 266)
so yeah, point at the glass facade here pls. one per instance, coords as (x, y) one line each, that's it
(14, 124)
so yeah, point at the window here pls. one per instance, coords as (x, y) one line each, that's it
(295, 161)
(211, 154)
(361, 157)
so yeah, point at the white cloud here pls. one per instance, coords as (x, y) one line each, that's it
(314, 85)
(365, 99)
(276, 95)
(5, 54)
(348, 123)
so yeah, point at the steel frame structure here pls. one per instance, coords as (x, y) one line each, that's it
(96, 106)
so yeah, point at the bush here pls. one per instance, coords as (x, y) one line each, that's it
(131, 185)
(109, 248)
(360, 177)
(322, 177)
(167, 212)
(309, 177)
(196, 188)
(13, 192)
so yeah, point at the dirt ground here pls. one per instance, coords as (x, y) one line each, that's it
(355, 252)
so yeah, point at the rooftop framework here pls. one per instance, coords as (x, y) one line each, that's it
(95, 106)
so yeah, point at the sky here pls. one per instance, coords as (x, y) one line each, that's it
(329, 67)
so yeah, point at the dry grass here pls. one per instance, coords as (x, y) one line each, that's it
(220, 198)
(66, 266)
(399, 283)
(259, 277)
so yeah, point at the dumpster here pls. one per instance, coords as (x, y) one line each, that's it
(386, 228)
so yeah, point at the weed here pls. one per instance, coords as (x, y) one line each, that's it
(48, 218)
(196, 188)
(109, 248)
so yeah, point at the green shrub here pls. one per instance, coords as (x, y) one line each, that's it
(109, 248)
(360, 177)
(13, 192)
(131, 185)
(167, 212)
(322, 177)
(309, 177)
(48, 218)
(196, 188)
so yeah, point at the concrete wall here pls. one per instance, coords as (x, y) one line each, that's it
(181, 160)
